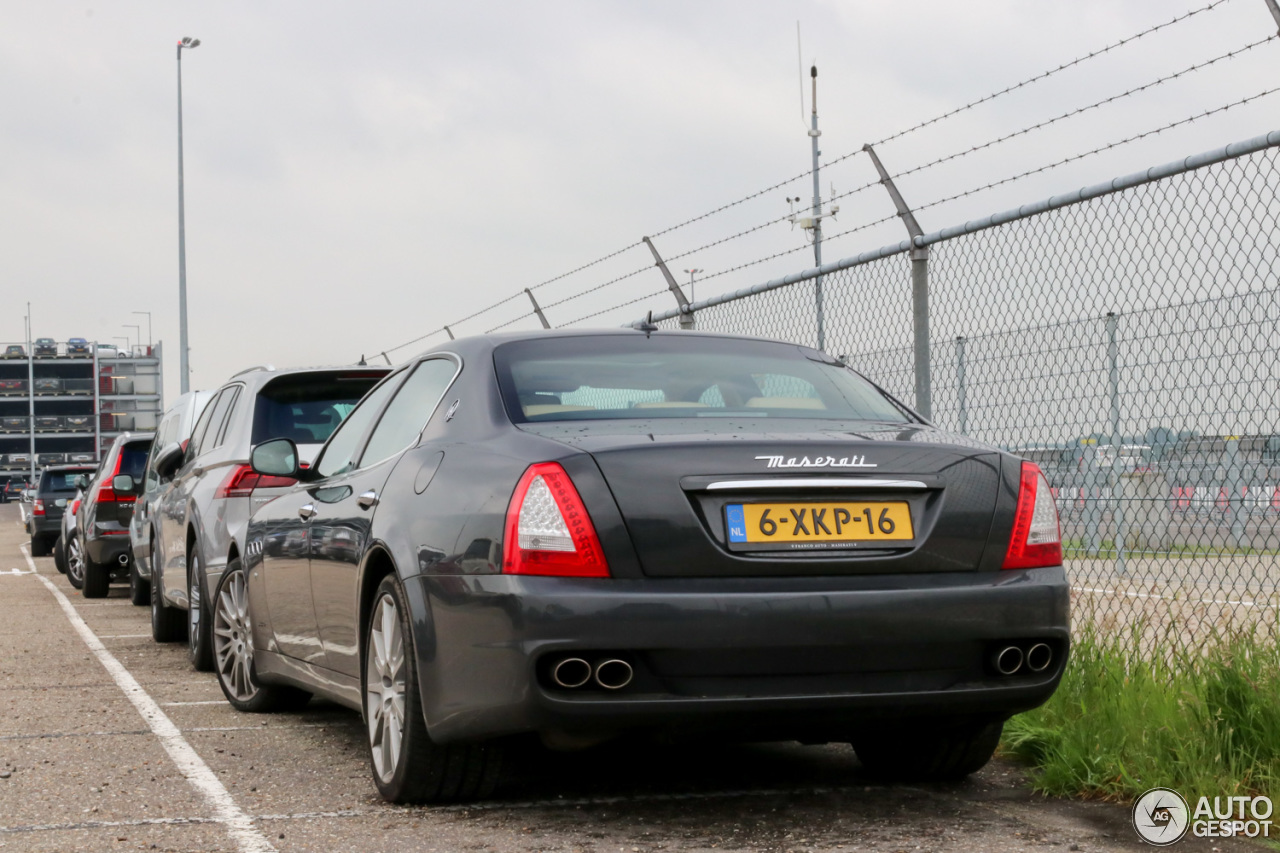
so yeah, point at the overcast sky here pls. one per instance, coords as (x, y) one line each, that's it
(359, 174)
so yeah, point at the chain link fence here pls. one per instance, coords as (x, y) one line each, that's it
(1127, 339)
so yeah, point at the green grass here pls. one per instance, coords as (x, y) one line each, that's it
(1126, 719)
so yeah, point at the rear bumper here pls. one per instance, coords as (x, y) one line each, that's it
(758, 658)
(107, 550)
(43, 525)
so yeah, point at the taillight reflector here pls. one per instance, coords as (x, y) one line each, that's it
(548, 530)
(37, 507)
(1036, 540)
(242, 480)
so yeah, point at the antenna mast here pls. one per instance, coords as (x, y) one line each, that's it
(813, 222)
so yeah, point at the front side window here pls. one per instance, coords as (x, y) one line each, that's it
(668, 376)
(339, 454)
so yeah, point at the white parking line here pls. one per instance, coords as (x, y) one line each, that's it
(189, 763)
(122, 636)
(205, 702)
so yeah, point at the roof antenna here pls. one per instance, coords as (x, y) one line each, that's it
(647, 325)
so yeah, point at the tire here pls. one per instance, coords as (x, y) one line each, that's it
(75, 561)
(943, 756)
(139, 587)
(168, 624)
(418, 770)
(39, 546)
(232, 627)
(60, 555)
(97, 578)
(199, 635)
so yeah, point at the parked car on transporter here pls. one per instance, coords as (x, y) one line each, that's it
(57, 488)
(584, 534)
(78, 346)
(174, 428)
(45, 348)
(98, 550)
(198, 521)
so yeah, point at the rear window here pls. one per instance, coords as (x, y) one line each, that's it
(133, 458)
(52, 482)
(671, 376)
(308, 407)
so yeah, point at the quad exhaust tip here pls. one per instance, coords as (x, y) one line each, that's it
(571, 672)
(1008, 660)
(1039, 657)
(613, 674)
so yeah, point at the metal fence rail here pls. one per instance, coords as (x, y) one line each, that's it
(1127, 337)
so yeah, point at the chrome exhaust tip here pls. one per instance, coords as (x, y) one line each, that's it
(613, 674)
(1008, 660)
(1039, 657)
(571, 672)
(123, 559)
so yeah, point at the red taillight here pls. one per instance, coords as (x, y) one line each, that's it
(242, 480)
(1036, 540)
(37, 507)
(104, 494)
(548, 530)
(75, 505)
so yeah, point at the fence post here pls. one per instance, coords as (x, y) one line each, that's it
(962, 400)
(1117, 443)
(1092, 510)
(1235, 488)
(919, 288)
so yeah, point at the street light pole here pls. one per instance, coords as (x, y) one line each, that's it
(137, 330)
(184, 369)
(148, 313)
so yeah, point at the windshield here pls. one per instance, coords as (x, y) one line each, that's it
(54, 482)
(673, 376)
(307, 407)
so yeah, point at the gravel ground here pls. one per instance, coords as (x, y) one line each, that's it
(165, 764)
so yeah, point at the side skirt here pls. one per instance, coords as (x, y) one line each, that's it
(278, 669)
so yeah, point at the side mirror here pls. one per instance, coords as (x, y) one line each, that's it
(168, 460)
(276, 458)
(122, 483)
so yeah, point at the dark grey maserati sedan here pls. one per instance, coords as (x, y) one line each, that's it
(591, 534)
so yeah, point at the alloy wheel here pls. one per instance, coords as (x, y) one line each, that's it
(194, 611)
(385, 688)
(232, 643)
(75, 560)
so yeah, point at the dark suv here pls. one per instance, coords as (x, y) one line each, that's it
(57, 487)
(98, 552)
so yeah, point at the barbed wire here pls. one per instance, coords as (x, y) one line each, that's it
(1098, 150)
(1052, 71)
(833, 161)
(1097, 104)
(619, 305)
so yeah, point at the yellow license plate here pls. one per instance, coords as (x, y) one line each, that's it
(786, 524)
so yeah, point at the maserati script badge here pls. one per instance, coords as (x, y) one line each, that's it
(818, 462)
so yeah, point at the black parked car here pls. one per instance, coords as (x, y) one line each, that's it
(98, 552)
(586, 534)
(57, 487)
(45, 347)
(12, 490)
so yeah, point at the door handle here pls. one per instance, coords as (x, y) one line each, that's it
(367, 499)
(306, 511)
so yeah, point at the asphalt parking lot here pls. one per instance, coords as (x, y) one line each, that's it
(109, 741)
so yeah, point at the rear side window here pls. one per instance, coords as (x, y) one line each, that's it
(308, 407)
(198, 433)
(409, 411)
(218, 414)
(669, 376)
